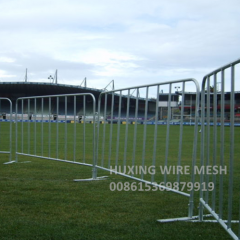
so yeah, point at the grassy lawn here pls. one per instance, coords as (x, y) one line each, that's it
(40, 200)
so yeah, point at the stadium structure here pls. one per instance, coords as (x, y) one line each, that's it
(15, 90)
(189, 105)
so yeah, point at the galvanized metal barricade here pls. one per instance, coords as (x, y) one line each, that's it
(55, 127)
(6, 119)
(139, 138)
(220, 185)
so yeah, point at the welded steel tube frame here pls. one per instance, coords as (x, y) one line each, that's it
(205, 201)
(49, 98)
(112, 93)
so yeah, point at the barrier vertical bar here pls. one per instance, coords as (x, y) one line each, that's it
(10, 138)
(222, 143)
(208, 134)
(144, 131)
(126, 132)
(35, 126)
(155, 134)
(42, 125)
(49, 127)
(95, 138)
(202, 152)
(0, 122)
(28, 107)
(194, 156)
(168, 129)
(230, 186)
(111, 131)
(65, 128)
(135, 129)
(16, 132)
(84, 127)
(104, 129)
(181, 132)
(22, 124)
(214, 139)
(57, 122)
(74, 129)
(118, 128)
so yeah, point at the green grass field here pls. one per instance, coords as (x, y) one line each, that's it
(40, 200)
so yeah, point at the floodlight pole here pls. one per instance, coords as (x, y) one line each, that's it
(84, 82)
(26, 75)
(112, 82)
(55, 76)
(50, 78)
(177, 88)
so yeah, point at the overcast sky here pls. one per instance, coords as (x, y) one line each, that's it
(134, 42)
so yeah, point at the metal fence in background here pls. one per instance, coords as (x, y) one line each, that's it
(47, 127)
(6, 116)
(135, 141)
(219, 147)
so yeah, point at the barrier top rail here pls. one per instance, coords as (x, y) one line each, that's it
(155, 84)
(220, 69)
(59, 95)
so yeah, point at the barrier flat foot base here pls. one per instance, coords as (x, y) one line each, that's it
(9, 162)
(216, 221)
(16, 162)
(173, 220)
(184, 219)
(90, 179)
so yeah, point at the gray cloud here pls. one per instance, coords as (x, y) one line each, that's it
(133, 42)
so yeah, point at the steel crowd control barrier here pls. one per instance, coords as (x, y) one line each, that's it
(6, 116)
(42, 128)
(220, 104)
(138, 137)
(133, 141)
